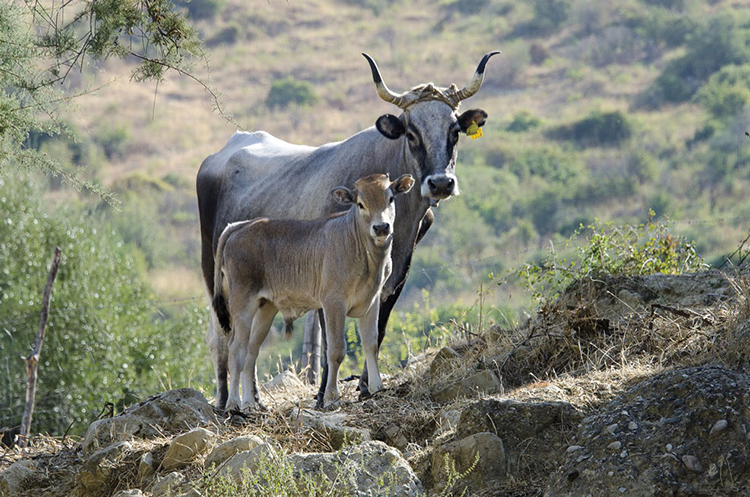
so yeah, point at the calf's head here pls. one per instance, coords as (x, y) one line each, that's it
(430, 126)
(373, 197)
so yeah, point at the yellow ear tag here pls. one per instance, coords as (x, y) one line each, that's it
(474, 131)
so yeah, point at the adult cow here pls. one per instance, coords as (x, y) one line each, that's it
(258, 175)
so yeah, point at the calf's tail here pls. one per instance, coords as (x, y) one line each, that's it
(288, 328)
(220, 300)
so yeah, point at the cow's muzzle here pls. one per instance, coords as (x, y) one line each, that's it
(439, 187)
(382, 229)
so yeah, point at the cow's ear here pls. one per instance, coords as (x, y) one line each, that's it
(403, 184)
(343, 195)
(472, 116)
(390, 126)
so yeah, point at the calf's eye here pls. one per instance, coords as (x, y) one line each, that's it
(359, 204)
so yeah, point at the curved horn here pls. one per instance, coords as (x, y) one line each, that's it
(476, 81)
(383, 91)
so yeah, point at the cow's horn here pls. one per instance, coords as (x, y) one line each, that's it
(476, 81)
(402, 101)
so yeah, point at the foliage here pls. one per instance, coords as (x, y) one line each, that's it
(718, 42)
(107, 338)
(523, 121)
(35, 34)
(648, 248)
(550, 14)
(596, 129)
(727, 91)
(287, 91)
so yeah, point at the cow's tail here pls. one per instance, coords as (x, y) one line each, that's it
(220, 300)
(288, 328)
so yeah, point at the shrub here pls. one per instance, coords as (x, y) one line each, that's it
(727, 92)
(107, 340)
(648, 248)
(288, 91)
(596, 129)
(523, 121)
(550, 14)
(714, 45)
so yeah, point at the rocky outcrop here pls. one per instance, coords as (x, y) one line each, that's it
(679, 433)
(169, 412)
(369, 469)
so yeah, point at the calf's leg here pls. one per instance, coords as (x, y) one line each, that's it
(335, 317)
(217, 344)
(242, 319)
(261, 324)
(324, 367)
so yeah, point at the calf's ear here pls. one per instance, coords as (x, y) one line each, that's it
(472, 116)
(390, 126)
(343, 195)
(403, 184)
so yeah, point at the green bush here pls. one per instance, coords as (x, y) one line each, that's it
(727, 92)
(288, 91)
(107, 338)
(550, 14)
(717, 43)
(523, 121)
(648, 248)
(596, 129)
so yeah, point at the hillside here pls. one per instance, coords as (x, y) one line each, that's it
(634, 386)
(629, 113)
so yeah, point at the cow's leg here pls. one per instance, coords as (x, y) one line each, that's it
(261, 324)
(242, 319)
(217, 344)
(335, 317)
(311, 348)
(324, 361)
(368, 332)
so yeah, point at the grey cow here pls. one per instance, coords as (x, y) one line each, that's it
(258, 175)
(339, 264)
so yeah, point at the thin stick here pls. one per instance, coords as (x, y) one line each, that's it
(32, 361)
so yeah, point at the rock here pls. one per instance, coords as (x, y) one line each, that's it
(692, 463)
(443, 360)
(283, 381)
(166, 485)
(332, 424)
(525, 428)
(97, 471)
(248, 460)
(146, 467)
(11, 478)
(490, 469)
(447, 421)
(230, 448)
(357, 470)
(719, 426)
(617, 445)
(573, 448)
(668, 453)
(129, 493)
(484, 382)
(184, 448)
(395, 437)
(168, 412)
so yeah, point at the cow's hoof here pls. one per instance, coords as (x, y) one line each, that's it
(232, 406)
(364, 392)
(332, 405)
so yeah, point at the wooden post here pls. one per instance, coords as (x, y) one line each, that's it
(311, 348)
(32, 361)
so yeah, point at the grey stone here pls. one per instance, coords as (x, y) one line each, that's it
(186, 447)
(358, 469)
(173, 411)
(97, 471)
(285, 380)
(443, 360)
(248, 460)
(167, 485)
(129, 493)
(490, 469)
(484, 382)
(11, 478)
(719, 426)
(146, 467)
(230, 448)
(332, 425)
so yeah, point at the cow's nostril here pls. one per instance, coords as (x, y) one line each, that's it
(431, 184)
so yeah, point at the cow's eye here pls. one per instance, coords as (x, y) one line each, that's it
(411, 137)
(359, 204)
(392, 199)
